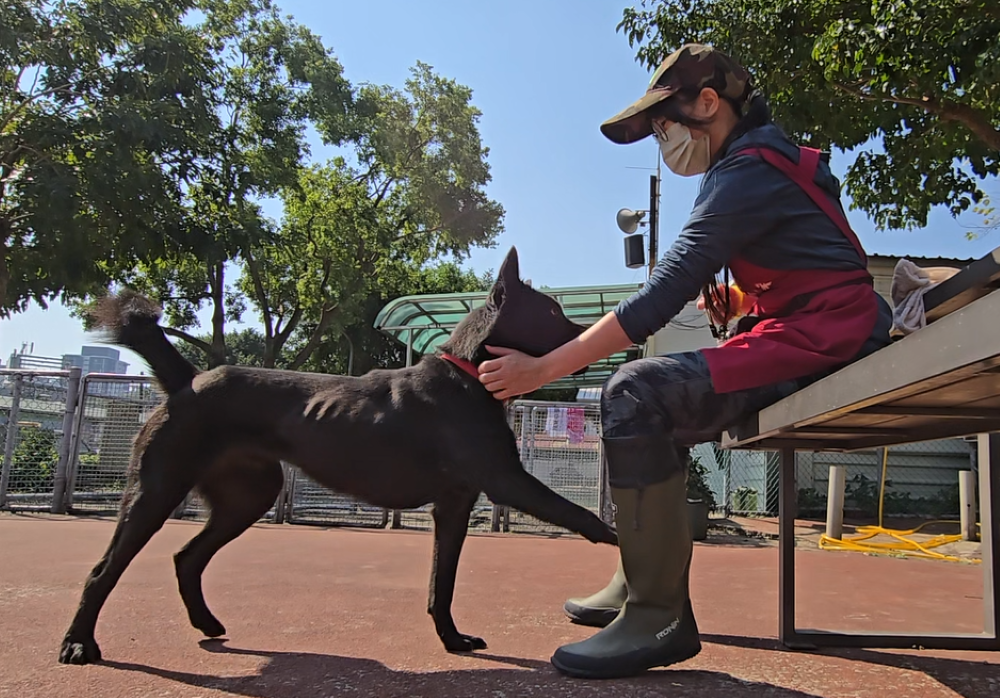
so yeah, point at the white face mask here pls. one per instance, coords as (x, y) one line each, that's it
(681, 152)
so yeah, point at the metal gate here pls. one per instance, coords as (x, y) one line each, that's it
(36, 419)
(560, 445)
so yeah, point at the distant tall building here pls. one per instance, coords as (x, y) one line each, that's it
(96, 360)
(89, 360)
(30, 361)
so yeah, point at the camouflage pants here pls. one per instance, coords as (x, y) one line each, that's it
(672, 396)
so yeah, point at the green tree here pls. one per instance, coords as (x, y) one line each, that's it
(273, 79)
(360, 347)
(34, 460)
(351, 232)
(244, 347)
(922, 78)
(103, 112)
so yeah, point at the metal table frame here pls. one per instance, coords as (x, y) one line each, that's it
(960, 347)
(798, 638)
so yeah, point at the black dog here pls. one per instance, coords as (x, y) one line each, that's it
(398, 439)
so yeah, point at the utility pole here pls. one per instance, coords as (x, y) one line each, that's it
(654, 219)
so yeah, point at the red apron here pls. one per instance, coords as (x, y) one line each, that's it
(812, 319)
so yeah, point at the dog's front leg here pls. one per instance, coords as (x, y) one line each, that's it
(451, 523)
(521, 491)
(138, 520)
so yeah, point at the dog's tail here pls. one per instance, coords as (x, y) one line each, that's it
(132, 320)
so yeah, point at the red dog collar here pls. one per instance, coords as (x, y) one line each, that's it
(463, 364)
(468, 367)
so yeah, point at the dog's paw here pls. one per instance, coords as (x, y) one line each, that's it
(464, 643)
(602, 533)
(211, 627)
(82, 652)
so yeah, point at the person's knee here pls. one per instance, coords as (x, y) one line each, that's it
(625, 403)
(652, 394)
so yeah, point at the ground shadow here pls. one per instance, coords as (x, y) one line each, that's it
(970, 679)
(297, 674)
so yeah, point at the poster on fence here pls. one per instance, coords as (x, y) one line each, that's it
(555, 421)
(575, 424)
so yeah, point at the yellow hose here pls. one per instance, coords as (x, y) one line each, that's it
(900, 545)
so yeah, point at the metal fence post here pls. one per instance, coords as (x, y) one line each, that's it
(835, 502)
(8, 450)
(397, 515)
(605, 504)
(967, 504)
(72, 464)
(66, 444)
(495, 513)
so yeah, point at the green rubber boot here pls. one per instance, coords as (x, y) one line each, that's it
(602, 607)
(656, 626)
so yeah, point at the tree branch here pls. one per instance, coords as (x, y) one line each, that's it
(216, 278)
(287, 330)
(325, 320)
(190, 339)
(383, 189)
(31, 98)
(444, 225)
(4, 270)
(973, 119)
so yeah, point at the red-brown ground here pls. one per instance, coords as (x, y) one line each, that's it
(314, 613)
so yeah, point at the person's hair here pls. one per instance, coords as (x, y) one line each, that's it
(754, 113)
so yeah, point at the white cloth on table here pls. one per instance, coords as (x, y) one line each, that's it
(909, 284)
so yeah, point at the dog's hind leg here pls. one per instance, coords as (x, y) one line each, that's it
(451, 524)
(141, 516)
(513, 487)
(238, 493)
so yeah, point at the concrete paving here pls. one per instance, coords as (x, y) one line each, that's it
(317, 612)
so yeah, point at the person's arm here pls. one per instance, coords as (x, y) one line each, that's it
(734, 207)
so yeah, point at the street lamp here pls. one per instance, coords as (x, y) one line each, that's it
(629, 221)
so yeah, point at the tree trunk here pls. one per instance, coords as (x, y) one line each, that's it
(216, 276)
(274, 343)
(4, 271)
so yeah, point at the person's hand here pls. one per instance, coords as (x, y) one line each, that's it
(513, 373)
(742, 304)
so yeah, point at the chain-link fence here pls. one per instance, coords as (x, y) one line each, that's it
(112, 410)
(559, 443)
(36, 415)
(308, 502)
(921, 480)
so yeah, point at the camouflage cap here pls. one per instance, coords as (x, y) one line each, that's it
(692, 67)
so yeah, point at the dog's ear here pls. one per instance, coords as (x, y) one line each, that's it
(508, 278)
(510, 271)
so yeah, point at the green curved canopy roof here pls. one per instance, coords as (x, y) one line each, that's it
(426, 321)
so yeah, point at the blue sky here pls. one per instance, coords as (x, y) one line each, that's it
(545, 75)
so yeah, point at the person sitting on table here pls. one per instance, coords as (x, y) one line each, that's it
(769, 212)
